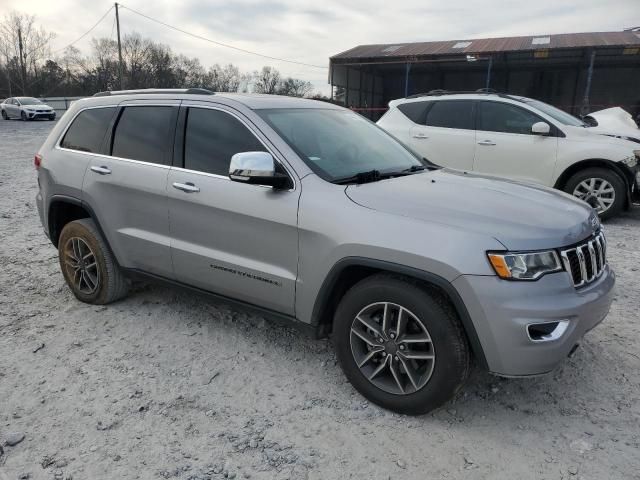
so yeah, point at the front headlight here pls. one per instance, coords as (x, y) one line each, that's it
(524, 265)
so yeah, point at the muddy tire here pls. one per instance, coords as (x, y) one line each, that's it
(88, 265)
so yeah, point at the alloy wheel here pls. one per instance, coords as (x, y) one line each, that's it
(392, 348)
(81, 265)
(597, 192)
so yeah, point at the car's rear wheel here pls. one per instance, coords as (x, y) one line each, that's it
(601, 188)
(400, 344)
(88, 265)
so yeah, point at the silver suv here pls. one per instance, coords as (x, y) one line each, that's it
(309, 213)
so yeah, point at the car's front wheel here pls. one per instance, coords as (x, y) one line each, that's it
(601, 188)
(4, 115)
(23, 116)
(88, 265)
(400, 344)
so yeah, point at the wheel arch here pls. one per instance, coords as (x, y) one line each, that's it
(571, 170)
(349, 271)
(64, 209)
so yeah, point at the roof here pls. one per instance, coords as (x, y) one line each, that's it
(493, 45)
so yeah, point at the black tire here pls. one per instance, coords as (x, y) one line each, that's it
(23, 116)
(452, 353)
(4, 115)
(111, 284)
(608, 175)
(52, 117)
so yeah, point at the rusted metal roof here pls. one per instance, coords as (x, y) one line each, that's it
(492, 45)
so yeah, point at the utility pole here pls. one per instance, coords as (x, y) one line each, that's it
(119, 49)
(23, 72)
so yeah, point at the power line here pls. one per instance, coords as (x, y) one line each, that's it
(85, 33)
(220, 43)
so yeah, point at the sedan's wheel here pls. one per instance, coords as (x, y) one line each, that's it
(4, 115)
(392, 348)
(601, 188)
(88, 265)
(23, 116)
(400, 344)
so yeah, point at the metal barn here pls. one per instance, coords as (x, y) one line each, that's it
(578, 72)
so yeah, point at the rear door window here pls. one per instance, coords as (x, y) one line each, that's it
(451, 114)
(88, 129)
(504, 117)
(145, 133)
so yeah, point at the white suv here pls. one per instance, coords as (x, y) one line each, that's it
(518, 138)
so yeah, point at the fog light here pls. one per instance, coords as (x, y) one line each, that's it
(547, 331)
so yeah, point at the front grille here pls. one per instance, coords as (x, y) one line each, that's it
(586, 261)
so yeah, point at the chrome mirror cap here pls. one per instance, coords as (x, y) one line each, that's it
(258, 168)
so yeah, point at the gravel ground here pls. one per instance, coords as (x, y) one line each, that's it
(166, 384)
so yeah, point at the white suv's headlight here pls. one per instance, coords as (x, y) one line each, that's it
(632, 160)
(524, 265)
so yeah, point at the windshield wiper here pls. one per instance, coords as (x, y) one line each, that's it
(375, 175)
(361, 177)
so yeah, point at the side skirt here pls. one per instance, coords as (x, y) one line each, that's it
(271, 315)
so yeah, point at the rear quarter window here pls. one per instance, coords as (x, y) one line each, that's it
(88, 129)
(415, 111)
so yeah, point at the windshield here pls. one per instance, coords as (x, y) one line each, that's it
(337, 144)
(29, 101)
(555, 113)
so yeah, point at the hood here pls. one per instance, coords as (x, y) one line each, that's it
(615, 122)
(38, 106)
(521, 217)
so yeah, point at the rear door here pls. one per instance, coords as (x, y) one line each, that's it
(231, 238)
(127, 186)
(447, 137)
(506, 146)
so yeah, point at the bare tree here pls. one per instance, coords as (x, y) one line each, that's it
(295, 87)
(25, 46)
(266, 81)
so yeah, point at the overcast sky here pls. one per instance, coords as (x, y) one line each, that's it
(312, 31)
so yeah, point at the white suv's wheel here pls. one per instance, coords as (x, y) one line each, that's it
(601, 188)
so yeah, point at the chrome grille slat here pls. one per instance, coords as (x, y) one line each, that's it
(585, 262)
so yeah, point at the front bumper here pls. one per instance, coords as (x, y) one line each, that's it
(47, 114)
(501, 310)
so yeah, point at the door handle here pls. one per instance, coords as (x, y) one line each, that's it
(486, 142)
(186, 187)
(101, 170)
(420, 136)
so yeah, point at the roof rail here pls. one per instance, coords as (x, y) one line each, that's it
(438, 92)
(190, 91)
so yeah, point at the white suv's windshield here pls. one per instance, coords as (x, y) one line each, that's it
(339, 144)
(555, 113)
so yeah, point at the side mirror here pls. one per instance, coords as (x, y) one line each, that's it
(257, 168)
(540, 128)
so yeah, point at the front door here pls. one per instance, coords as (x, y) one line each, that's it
(230, 238)
(506, 147)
